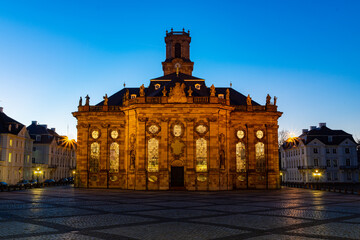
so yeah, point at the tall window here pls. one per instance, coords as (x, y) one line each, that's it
(260, 156)
(201, 155)
(94, 157)
(316, 162)
(10, 154)
(348, 162)
(114, 157)
(335, 163)
(153, 155)
(177, 50)
(240, 157)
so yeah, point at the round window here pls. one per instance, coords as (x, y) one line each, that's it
(114, 134)
(153, 129)
(201, 128)
(95, 134)
(240, 134)
(177, 130)
(259, 134)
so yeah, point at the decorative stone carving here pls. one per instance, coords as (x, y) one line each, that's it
(177, 94)
(248, 100)
(190, 92)
(132, 159)
(177, 163)
(221, 138)
(212, 119)
(212, 91)
(142, 91)
(227, 94)
(104, 125)
(222, 158)
(268, 99)
(142, 119)
(87, 103)
(127, 94)
(177, 148)
(190, 119)
(164, 92)
(164, 119)
(80, 102)
(275, 99)
(106, 100)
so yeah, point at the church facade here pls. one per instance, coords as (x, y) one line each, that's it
(178, 133)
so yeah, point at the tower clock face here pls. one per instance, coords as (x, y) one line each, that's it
(177, 65)
(95, 134)
(114, 134)
(259, 134)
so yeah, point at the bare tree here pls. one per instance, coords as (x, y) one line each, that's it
(283, 136)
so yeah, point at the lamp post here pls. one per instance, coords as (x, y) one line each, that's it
(317, 175)
(37, 173)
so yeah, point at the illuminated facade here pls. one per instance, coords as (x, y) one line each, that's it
(178, 133)
(15, 150)
(320, 155)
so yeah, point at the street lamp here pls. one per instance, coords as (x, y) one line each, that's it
(37, 173)
(317, 175)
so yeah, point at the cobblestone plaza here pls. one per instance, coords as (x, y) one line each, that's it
(70, 213)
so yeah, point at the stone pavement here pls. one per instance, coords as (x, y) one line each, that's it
(67, 213)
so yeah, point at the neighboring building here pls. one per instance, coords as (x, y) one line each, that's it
(51, 154)
(15, 150)
(320, 155)
(178, 132)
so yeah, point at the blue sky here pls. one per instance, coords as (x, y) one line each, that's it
(304, 52)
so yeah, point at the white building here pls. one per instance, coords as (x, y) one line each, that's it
(15, 150)
(320, 155)
(52, 154)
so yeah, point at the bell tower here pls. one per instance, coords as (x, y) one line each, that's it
(177, 53)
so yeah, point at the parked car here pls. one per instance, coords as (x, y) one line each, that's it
(3, 184)
(63, 180)
(23, 183)
(49, 181)
(71, 179)
(33, 182)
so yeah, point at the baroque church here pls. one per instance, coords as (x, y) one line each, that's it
(178, 133)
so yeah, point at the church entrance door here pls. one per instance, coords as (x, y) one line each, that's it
(177, 177)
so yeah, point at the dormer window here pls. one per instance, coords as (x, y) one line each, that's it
(157, 86)
(330, 138)
(133, 96)
(221, 96)
(197, 86)
(38, 138)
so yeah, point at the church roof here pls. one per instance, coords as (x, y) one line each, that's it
(5, 121)
(168, 81)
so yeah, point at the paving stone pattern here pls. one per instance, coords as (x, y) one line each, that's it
(67, 213)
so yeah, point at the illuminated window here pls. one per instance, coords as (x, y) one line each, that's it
(114, 157)
(201, 155)
(221, 96)
(10, 154)
(197, 86)
(10, 143)
(133, 96)
(177, 130)
(240, 157)
(94, 157)
(157, 86)
(260, 156)
(153, 155)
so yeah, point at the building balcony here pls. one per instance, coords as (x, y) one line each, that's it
(352, 167)
(311, 167)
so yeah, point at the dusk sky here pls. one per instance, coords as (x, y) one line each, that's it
(304, 52)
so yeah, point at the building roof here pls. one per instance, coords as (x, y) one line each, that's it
(46, 135)
(169, 81)
(6, 121)
(323, 133)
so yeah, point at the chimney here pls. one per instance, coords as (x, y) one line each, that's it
(322, 125)
(1, 109)
(312, 127)
(304, 131)
(53, 129)
(43, 125)
(33, 122)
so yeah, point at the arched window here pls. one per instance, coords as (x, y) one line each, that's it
(94, 157)
(153, 155)
(177, 50)
(240, 157)
(201, 155)
(114, 157)
(260, 156)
